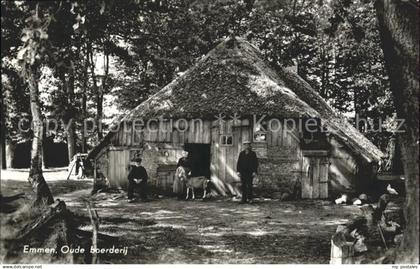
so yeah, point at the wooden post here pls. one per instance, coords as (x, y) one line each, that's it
(342, 254)
(71, 169)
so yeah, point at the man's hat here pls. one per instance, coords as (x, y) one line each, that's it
(246, 142)
(136, 159)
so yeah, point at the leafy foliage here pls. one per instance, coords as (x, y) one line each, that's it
(127, 50)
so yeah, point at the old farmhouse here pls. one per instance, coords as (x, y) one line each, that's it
(229, 96)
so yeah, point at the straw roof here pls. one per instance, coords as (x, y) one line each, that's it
(234, 78)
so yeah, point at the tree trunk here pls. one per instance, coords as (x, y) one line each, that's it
(10, 153)
(99, 93)
(84, 114)
(36, 178)
(2, 151)
(103, 89)
(398, 25)
(3, 133)
(85, 78)
(99, 111)
(69, 119)
(71, 138)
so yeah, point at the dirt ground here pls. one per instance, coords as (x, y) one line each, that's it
(167, 230)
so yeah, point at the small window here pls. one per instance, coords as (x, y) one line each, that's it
(260, 137)
(226, 140)
(260, 132)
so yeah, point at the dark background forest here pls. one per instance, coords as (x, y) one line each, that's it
(103, 58)
(70, 61)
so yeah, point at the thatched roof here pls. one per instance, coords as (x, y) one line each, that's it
(234, 78)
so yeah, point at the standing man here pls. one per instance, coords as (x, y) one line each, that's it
(137, 180)
(247, 168)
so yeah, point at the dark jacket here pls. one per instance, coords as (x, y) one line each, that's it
(184, 162)
(138, 172)
(247, 163)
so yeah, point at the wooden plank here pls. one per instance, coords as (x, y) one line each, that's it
(146, 135)
(237, 141)
(207, 132)
(290, 135)
(198, 131)
(169, 132)
(269, 138)
(138, 137)
(218, 156)
(228, 163)
(324, 163)
(123, 168)
(126, 166)
(129, 134)
(313, 153)
(229, 150)
(315, 181)
(193, 136)
(161, 132)
(342, 254)
(113, 164)
(280, 135)
(134, 136)
(276, 134)
(123, 138)
(323, 190)
(183, 138)
(222, 161)
(190, 132)
(323, 187)
(283, 140)
(175, 137)
(117, 139)
(153, 135)
(118, 168)
(246, 133)
(110, 168)
(213, 157)
(306, 188)
(306, 184)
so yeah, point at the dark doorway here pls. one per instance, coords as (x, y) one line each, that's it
(200, 159)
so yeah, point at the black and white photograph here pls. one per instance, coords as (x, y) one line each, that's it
(192, 132)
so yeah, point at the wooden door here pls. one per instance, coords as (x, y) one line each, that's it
(119, 160)
(225, 156)
(315, 177)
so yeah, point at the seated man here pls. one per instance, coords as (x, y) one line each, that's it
(137, 180)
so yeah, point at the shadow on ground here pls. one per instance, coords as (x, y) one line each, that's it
(166, 230)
